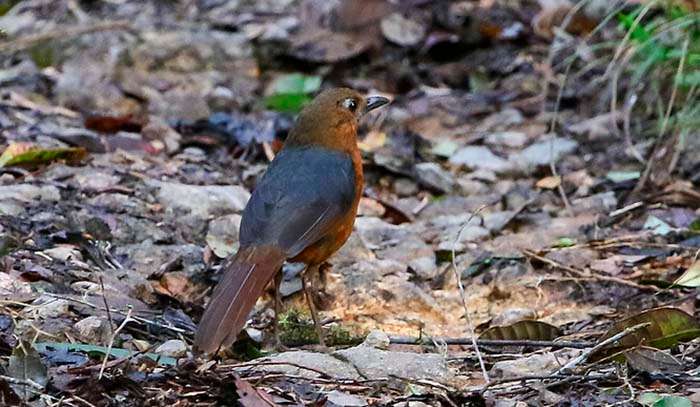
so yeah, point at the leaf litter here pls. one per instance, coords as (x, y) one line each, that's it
(130, 150)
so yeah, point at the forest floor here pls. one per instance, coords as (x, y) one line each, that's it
(133, 133)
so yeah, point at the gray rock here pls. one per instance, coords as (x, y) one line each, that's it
(64, 253)
(203, 201)
(601, 202)
(433, 176)
(48, 307)
(29, 193)
(91, 180)
(550, 148)
(328, 364)
(146, 258)
(425, 267)
(513, 139)
(495, 221)
(377, 363)
(377, 339)
(339, 398)
(93, 329)
(222, 236)
(541, 364)
(405, 187)
(174, 348)
(398, 243)
(480, 158)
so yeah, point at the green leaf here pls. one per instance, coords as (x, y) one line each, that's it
(102, 350)
(289, 93)
(29, 156)
(523, 330)
(691, 277)
(565, 242)
(621, 176)
(667, 327)
(290, 103)
(695, 225)
(658, 400)
(296, 83)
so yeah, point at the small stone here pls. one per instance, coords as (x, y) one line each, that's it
(288, 362)
(549, 149)
(405, 187)
(203, 201)
(541, 364)
(174, 348)
(370, 207)
(374, 363)
(480, 158)
(513, 139)
(64, 253)
(339, 398)
(49, 307)
(433, 176)
(424, 267)
(222, 236)
(93, 329)
(377, 339)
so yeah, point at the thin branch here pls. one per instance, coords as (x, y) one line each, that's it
(587, 275)
(586, 354)
(111, 342)
(462, 295)
(406, 340)
(19, 44)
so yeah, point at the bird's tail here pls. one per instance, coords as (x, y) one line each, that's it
(245, 276)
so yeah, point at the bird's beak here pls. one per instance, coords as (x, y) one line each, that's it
(374, 102)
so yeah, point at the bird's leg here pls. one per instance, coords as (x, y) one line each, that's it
(312, 307)
(279, 346)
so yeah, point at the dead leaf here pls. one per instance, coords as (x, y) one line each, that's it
(691, 277)
(652, 360)
(668, 326)
(249, 396)
(25, 364)
(113, 124)
(523, 330)
(552, 16)
(550, 182)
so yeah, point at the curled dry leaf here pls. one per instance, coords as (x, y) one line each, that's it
(550, 182)
(249, 396)
(31, 156)
(523, 330)
(691, 277)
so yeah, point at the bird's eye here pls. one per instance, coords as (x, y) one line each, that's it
(350, 104)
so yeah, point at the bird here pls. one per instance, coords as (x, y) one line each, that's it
(301, 210)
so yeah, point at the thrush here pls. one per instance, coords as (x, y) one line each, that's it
(302, 210)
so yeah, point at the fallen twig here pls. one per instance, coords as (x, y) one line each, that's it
(406, 340)
(111, 343)
(588, 275)
(62, 33)
(586, 354)
(462, 295)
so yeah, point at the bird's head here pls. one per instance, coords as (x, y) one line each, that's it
(332, 118)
